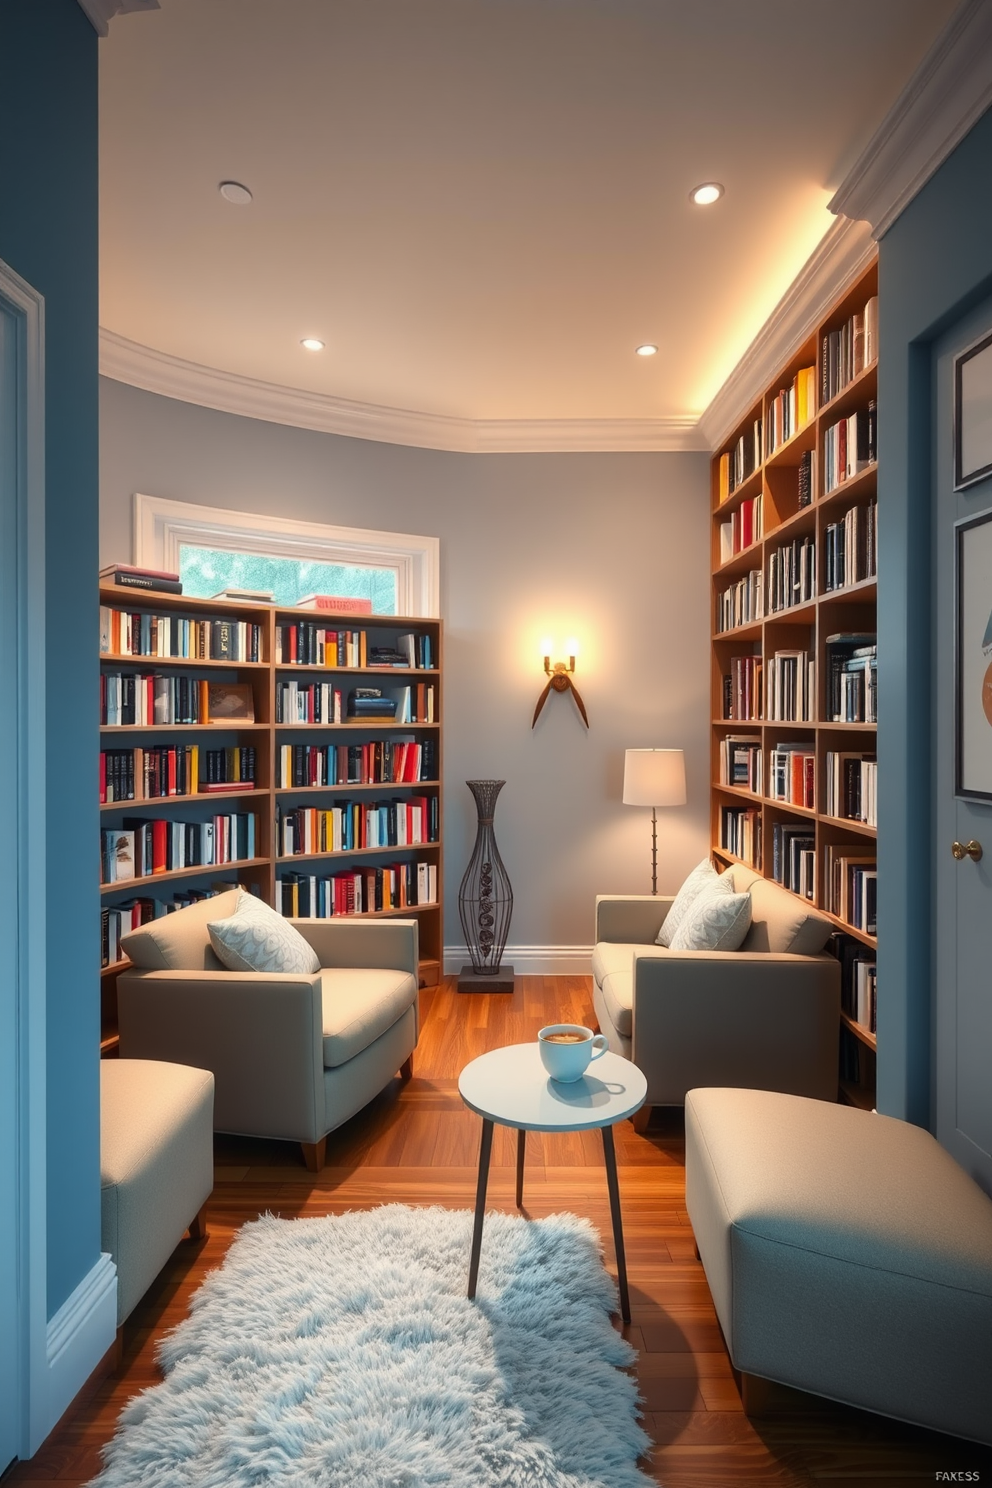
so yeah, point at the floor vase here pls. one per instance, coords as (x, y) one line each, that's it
(485, 901)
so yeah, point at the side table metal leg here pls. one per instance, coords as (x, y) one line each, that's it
(485, 1152)
(609, 1152)
(521, 1142)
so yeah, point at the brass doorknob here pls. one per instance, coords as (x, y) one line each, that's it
(970, 849)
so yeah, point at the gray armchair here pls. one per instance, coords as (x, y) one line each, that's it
(293, 1055)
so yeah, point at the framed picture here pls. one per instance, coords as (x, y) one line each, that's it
(973, 681)
(973, 413)
(230, 702)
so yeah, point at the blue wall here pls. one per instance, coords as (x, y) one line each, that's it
(934, 263)
(48, 234)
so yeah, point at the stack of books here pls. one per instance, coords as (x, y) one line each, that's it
(129, 577)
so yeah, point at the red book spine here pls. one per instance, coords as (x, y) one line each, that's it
(160, 846)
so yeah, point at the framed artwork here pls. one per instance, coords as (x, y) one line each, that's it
(973, 681)
(230, 702)
(973, 413)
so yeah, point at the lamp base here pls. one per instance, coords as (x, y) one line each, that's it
(498, 980)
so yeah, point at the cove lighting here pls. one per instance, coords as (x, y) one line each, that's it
(235, 193)
(707, 194)
(311, 343)
(647, 349)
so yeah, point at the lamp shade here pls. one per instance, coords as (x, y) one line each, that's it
(654, 777)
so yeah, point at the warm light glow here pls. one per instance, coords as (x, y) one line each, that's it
(648, 349)
(571, 647)
(311, 343)
(707, 194)
(547, 645)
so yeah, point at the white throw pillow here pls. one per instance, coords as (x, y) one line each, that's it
(718, 920)
(258, 938)
(701, 876)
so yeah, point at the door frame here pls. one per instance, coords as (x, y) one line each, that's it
(22, 676)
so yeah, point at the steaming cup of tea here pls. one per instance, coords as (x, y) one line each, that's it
(567, 1049)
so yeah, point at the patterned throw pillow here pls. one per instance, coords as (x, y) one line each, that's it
(701, 876)
(257, 938)
(718, 920)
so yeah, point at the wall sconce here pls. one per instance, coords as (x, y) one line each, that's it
(561, 678)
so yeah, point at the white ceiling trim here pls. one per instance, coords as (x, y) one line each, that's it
(947, 94)
(840, 257)
(102, 12)
(158, 372)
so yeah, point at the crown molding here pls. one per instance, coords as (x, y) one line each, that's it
(944, 98)
(100, 13)
(842, 254)
(229, 392)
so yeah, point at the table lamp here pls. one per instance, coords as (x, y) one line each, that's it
(654, 777)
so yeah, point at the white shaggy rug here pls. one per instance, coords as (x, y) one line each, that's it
(343, 1353)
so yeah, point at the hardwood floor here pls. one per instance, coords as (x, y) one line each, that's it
(417, 1144)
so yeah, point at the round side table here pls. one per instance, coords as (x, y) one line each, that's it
(511, 1087)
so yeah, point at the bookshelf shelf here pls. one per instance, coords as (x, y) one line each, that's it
(133, 900)
(793, 654)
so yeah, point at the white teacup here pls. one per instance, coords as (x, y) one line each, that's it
(567, 1050)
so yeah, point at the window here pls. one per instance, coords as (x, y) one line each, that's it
(214, 549)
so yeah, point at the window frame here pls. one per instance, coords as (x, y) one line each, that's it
(162, 526)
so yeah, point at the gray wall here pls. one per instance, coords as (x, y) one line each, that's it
(612, 548)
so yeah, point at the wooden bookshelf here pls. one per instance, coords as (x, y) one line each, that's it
(268, 868)
(746, 626)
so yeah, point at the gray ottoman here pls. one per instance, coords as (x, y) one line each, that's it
(156, 1165)
(847, 1254)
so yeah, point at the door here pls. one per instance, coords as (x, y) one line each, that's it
(10, 1331)
(963, 882)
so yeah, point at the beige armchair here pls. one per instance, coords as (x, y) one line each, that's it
(293, 1055)
(764, 1017)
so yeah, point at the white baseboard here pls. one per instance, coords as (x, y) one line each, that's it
(79, 1335)
(529, 960)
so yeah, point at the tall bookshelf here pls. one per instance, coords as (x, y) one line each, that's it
(804, 816)
(278, 792)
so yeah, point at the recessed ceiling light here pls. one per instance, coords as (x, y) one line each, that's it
(234, 192)
(647, 349)
(707, 194)
(311, 343)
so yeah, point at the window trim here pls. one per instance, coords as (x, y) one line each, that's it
(162, 526)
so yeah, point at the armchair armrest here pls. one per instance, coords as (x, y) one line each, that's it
(631, 918)
(350, 941)
(755, 1019)
(260, 1033)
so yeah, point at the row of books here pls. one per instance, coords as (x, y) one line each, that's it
(742, 688)
(851, 787)
(857, 982)
(743, 528)
(792, 575)
(144, 699)
(848, 350)
(138, 848)
(794, 858)
(792, 774)
(849, 446)
(852, 678)
(136, 633)
(349, 826)
(791, 409)
(310, 643)
(740, 762)
(375, 762)
(791, 687)
(173, 770)
(806, 478)
(322, 702)
(742, 603)
(740, 462)
(850, 547)
(118, 920)
(740, 833)
(850, 883)
(357, 891)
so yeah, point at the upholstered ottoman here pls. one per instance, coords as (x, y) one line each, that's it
(847, 1254)
(156, 1165)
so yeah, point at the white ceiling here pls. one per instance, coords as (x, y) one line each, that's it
(482, 205)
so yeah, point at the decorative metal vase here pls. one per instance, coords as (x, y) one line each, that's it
(485, 901)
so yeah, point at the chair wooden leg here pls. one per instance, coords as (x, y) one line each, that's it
(406, 1069)
(642, 1119)
(198, 1225)
(314, 1154)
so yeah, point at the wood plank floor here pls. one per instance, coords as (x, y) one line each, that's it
(417, 1144)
